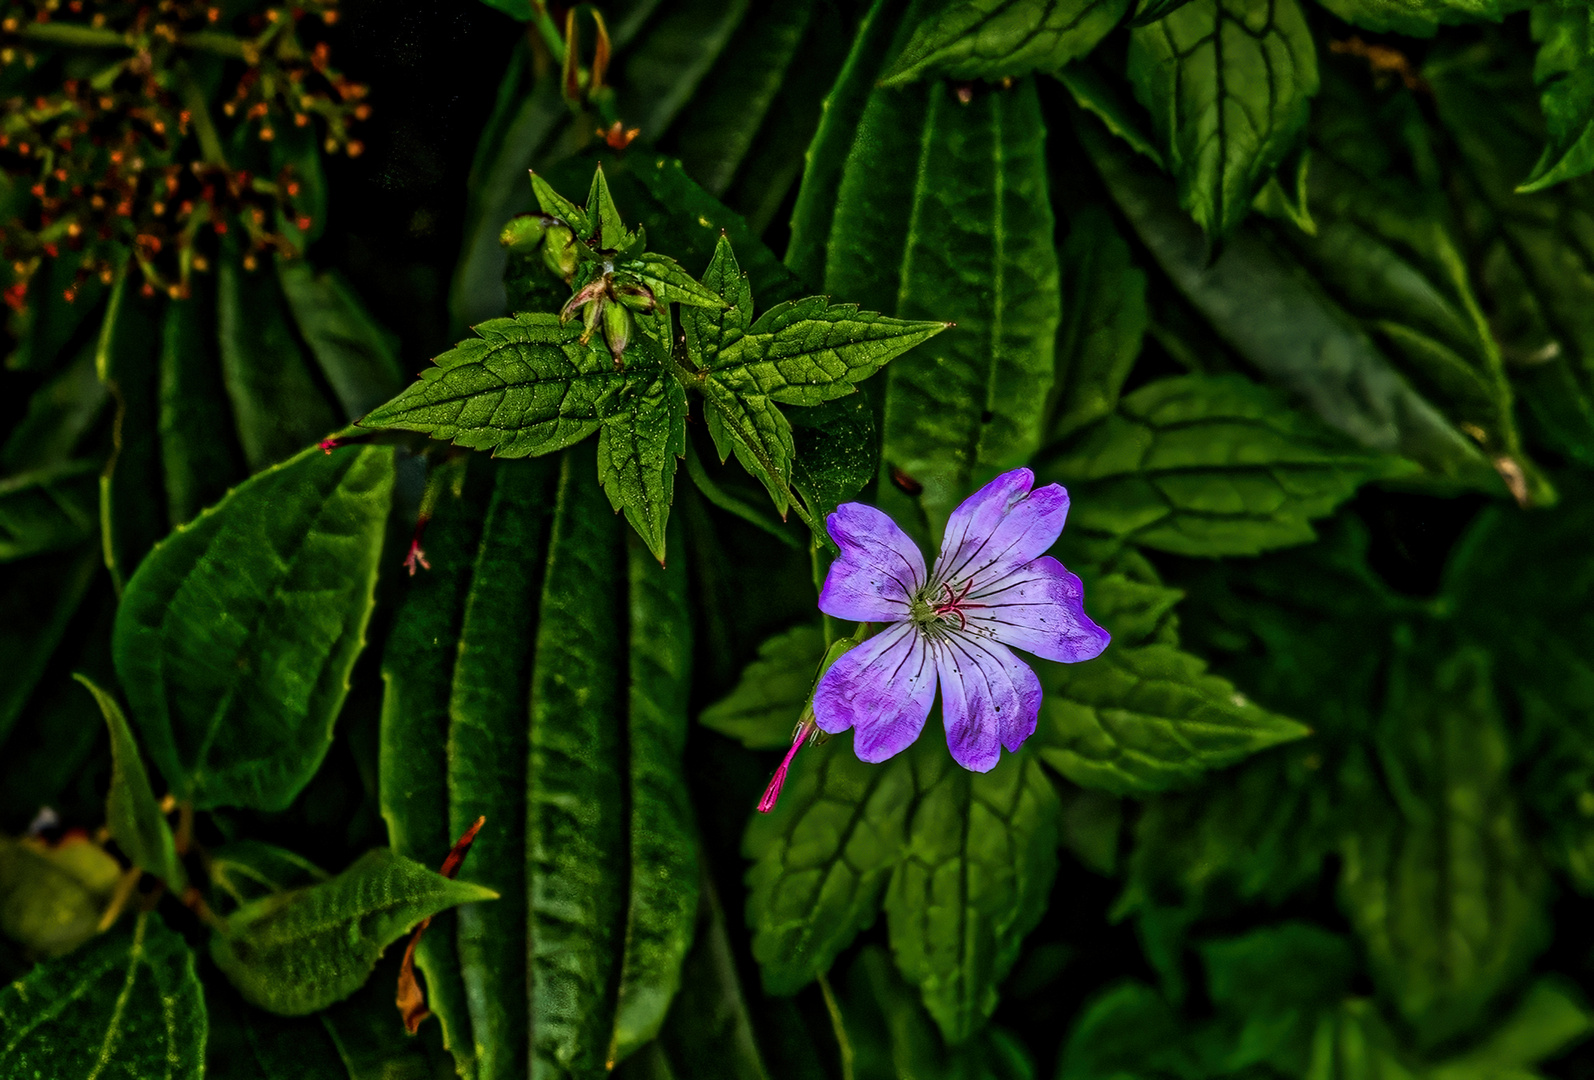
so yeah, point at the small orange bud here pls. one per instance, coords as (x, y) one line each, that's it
(356, 148)
(250, 262)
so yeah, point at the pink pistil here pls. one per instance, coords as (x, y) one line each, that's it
(772, 792)
(329, 445)
(416, 556)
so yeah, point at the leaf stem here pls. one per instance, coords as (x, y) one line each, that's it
(199, 112)
(838, 1026)
(548, 31)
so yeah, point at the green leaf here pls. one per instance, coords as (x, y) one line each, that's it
(132, 815)
(37, 606)
(52, 898)
(1438, 878)
(556, 205)
(662, 915)
(763, 709)
(605, 231)
(358, 357)
(1553, 1017)
(126, 358)
(1105, 100)
(942, 213)
(1228, 84)
(129, 1005)
(1128, 1030)
(275, 402)
(199, 450)
(48, 509)
(755, 429)
(1256, 299)
(1210, 465)
(1003, 39)
(638, 447)
(1353, 1043)
(1146, 719)
(838, 453)
(1104, 319)
(822, 859)
(669, 282)
(235, 639)
(295, 952)
(1564, 71)
(247, 870)
(1419, 18)
(981, 853)
(526, 386)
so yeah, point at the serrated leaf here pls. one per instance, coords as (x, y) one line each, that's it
(1256, 300)
(638, 447)
(942, 213)
(1437, 877)
(526, 386)
(356, 355)
(668, 280)
(605, 230)
(762, 710)
(1003, 39)
(822, 859)
(128, 1006)
(132, 815)
(1228, 84)
(1104, 319)
(48, 509)
(556, 205)
(1147, 719)
(52, 898)
(980, 855)
(235, 639)
(1210, 465)
(295, 952)
(1564, 72)
(753, 428)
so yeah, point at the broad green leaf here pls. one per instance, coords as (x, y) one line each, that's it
(127, 1007)
(200, 455)
(1145, 719)
(298, 951)
(763, 709)
(235, 639)
(417, 672)
(247, 870)
(132, 815)
(822, 859)
(1256, 299)
(1104, 319)
(52, 898)
(942, 213)
(668, 280)
(1127, 1030)
(980, 856)
(1278, 969)
(1564, 71)
(1210, 465)
(1106, 101)
(1438, 878)
(1228, 83)
(1419, 18)
(1003, 39)
(127, 359)
(48, 509)
(276, 404)
(660, 74)
(356, 355)
(753, 428)
(525, 386)
(662, 913)
(638, 447)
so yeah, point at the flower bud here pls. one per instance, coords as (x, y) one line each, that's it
(559, 250)
(523, 233)
(618, 326)
(636, 296)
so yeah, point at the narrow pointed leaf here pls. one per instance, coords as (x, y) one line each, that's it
(200, 453)
(48, 509)
(1104, 319)
(295, 952)
(235, 639)
(605, 230)
(356, 355)
(131, 812)
(1227, 83)
(1004, 39)
(128, 1006)
(638, 447)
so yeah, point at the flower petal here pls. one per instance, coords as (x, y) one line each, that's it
(989, 699)
(883, 689)
(1039, 608)
(1000, 527)
(878, 571)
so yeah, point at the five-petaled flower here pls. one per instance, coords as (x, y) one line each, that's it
(990, 588)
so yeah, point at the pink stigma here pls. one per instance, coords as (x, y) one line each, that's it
(415, 556)
(772, 792)
(329, 445)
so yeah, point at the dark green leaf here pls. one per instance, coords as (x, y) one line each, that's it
(52, 898)
(356, 355)
(298, 951)
(763, 709)
(838, 453)
(200, 455)
(942, 213)
(526, 386)
(49, 323)
(981, 853)
(61, 414)
(1106, 101)
(1104, 319)
(1552, 1017)
(247, 870)
(638, 447)
(604, 230)
(754, 428)
(1419, 18)
(48, 509)
(1437, 878)
(127, 1007)
(275, 402)
(1003, 39)
(127, 358)
(38, 602)
(1228, 84)
(132, 815)
(1210, 465)
(235, 639)
(1565, 74)
(1148, 718)
(669, 282)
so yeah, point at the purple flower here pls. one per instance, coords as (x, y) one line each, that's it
(991, 588)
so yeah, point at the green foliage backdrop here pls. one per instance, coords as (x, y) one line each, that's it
(420, 423)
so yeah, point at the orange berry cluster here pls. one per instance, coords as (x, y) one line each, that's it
(117, 148)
